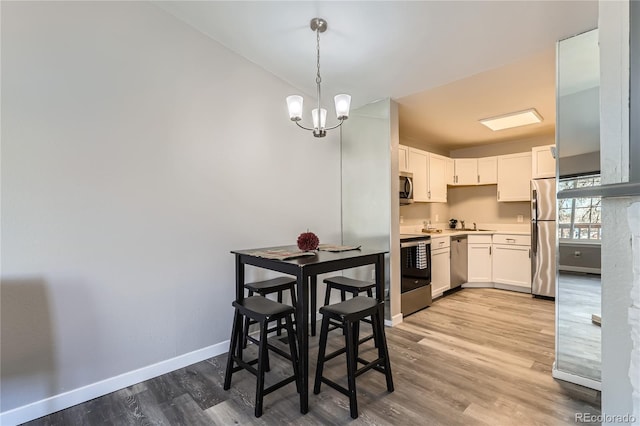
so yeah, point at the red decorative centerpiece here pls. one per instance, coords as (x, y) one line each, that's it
(308, 241)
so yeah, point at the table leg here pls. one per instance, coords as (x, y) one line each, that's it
(302, 329)
(239, 278)
(380, 278)
(239, 296)
(314, 303)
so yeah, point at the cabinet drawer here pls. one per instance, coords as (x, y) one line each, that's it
(519, 240)
(440, 242)
(479, 239)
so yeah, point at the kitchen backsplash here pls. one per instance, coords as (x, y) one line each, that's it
(472, 204)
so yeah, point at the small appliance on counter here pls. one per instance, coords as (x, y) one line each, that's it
(453, 223)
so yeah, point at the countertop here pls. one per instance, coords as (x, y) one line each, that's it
(406, 236)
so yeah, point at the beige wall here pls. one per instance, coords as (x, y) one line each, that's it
(503, 148)
(415, 213)
(479, 204)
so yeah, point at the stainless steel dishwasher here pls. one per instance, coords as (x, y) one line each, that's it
(459, 258)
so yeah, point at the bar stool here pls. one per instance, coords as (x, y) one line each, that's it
(262, 311)
(350, 285)
(349, 314)
(263, 288)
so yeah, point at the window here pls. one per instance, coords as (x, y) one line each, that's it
(579, 218)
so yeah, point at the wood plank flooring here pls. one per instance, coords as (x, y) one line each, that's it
(579, 350)
(476, 357)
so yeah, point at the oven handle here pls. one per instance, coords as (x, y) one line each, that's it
(415, 243)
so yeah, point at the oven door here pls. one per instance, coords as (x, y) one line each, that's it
(415, 258)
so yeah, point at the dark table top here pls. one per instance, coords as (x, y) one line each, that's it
(320, 256)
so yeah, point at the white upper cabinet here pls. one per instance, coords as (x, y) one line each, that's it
(429, 176)
(466, 171)
(450, 170)
(403, 158)
(419, 166)
(514, 177)
(543, 165)
(437, 178)
(487, 170)
(475, 171)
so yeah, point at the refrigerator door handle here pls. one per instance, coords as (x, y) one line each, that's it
(534, 205)
(534, 237)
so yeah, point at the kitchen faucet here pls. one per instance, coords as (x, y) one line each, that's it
(475, 228)
(462, 224)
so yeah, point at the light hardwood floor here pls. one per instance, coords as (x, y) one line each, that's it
(579, 350)
(476, 357)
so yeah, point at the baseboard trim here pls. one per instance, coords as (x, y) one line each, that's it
(73, 397)
(578, 380)
(567, 268)
(395, 320)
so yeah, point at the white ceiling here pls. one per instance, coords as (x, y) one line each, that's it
(409, 51)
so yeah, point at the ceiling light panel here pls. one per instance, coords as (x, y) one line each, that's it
(511, 120)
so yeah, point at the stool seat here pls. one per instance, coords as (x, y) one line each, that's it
(264, 288)
(353, 309)
(272, 285)
(349, 284)
(262, 309)
(349, 314)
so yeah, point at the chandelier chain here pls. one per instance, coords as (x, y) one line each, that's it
(318, 79)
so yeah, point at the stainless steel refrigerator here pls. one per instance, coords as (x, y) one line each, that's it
(543, 237)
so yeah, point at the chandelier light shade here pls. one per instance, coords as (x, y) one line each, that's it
(342, 101)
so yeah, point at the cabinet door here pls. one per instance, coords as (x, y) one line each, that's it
(479, 263)
(514, 177)
(543, 165)
(512, 265)
(450, 170)
(440, 271)
(466, 171)
(487, 170)
(437, 178)
(418, 165)
(403, 158)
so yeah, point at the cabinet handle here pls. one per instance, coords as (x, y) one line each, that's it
(529, 253)
(511, 239)
(429, 194)
(455, 178)
(478, 178)
(489, 250)
(498, 195)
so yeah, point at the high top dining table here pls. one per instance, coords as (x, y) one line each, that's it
(306, 270)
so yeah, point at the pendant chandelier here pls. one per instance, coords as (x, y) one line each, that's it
(319, 115)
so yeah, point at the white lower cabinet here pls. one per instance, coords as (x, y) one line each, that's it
(440, 265)
(479, 263)
(512, 260)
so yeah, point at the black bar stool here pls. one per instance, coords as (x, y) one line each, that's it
(348, 285)
(263, 288)
(262, 311)
(349, 314)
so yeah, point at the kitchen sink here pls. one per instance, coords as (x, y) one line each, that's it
(475, 230)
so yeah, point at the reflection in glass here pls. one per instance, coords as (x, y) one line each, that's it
(578, 298)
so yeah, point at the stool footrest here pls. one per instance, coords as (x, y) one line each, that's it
(246, 365)
(280, 384)
(335, 386)
(369, 365)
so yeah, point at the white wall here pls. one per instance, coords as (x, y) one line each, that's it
(617, 255)
(136, 153)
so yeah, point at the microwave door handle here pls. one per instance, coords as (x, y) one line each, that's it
(410, 184)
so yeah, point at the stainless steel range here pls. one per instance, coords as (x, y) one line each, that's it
(415, 258)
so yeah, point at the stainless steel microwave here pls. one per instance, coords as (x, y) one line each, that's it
(406, 188)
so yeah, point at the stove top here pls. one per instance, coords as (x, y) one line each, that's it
(414, 237)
